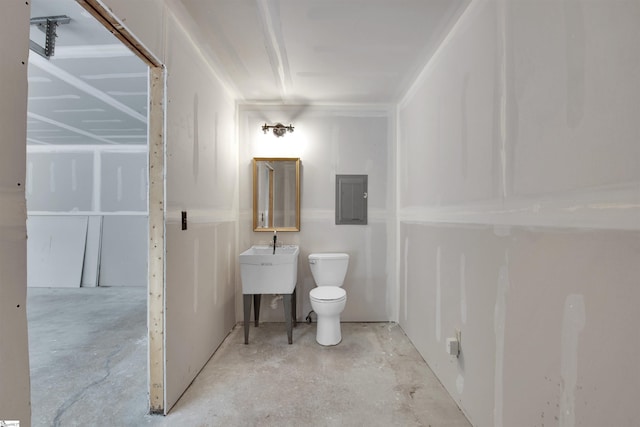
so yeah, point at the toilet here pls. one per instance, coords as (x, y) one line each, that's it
(328, 299)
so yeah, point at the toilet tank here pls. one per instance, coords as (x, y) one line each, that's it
(329, 269)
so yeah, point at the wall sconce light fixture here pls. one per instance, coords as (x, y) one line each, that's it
(278, 129)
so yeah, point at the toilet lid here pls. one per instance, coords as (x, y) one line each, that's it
(327, 293)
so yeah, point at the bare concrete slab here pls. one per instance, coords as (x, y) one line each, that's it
(89, 367)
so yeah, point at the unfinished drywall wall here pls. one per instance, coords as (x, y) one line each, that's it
(329, 141)
(123, 182)
(105, 185)
(519, 212)
(201, 179)
(59, 181)
(14, 354)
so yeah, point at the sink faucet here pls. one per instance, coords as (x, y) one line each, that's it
(275, 237)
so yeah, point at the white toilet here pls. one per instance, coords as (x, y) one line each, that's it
(328, 299)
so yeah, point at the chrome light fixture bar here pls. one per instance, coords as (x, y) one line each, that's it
(278, 129)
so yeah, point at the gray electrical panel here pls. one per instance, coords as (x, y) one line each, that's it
(351, 199)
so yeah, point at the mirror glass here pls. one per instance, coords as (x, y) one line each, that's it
(276, 194)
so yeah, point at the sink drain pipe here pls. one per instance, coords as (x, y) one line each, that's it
(274, 301)
(309, 316)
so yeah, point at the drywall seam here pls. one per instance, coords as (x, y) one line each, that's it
(406, 279)
(438, 320)
(502, 51)
(181, 18)
(468, 14)
(82, 148)
(368, 261)
(96, 203)
(142, 180)
(563, 210)
(198, 216)
(195, 162)
(29, 178)
(460, 384)
(196, 272)
(573, 321)
(499, 323)
(374, 214)
(87, 213)
(119, 183)
(463, 288)
(276, 51)
(464, 127)
(52, 177)
(317, 109)
(74, 175)
(575, 48)
(396, 208)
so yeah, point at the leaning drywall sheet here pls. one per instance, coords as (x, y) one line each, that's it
(55, 250)
(123, 257)
(91, 266)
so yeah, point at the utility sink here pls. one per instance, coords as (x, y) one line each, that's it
(263, 272)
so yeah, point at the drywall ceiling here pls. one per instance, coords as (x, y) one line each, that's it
(312, 51)
(92, 91)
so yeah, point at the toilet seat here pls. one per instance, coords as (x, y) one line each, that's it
(327, 293)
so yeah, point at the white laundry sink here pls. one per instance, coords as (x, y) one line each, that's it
(263, 272)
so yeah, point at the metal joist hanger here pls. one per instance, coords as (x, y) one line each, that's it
(48, 25)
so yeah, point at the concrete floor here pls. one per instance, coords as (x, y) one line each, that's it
(88, 367)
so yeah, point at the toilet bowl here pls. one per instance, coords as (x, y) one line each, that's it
(328, 299)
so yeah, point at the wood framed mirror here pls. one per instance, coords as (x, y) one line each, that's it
(276, 194)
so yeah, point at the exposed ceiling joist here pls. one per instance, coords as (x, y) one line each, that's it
(55, 71)
(93, 51)
(69, 128)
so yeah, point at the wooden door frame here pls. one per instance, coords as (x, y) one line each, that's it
(156, 207)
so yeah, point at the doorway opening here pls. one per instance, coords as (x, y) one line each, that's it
(93, 102)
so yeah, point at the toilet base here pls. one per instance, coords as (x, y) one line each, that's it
(328, 330)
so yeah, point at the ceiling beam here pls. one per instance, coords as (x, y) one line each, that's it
(79, 84)
(93, 51)
(68, 127)
(36, 141)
